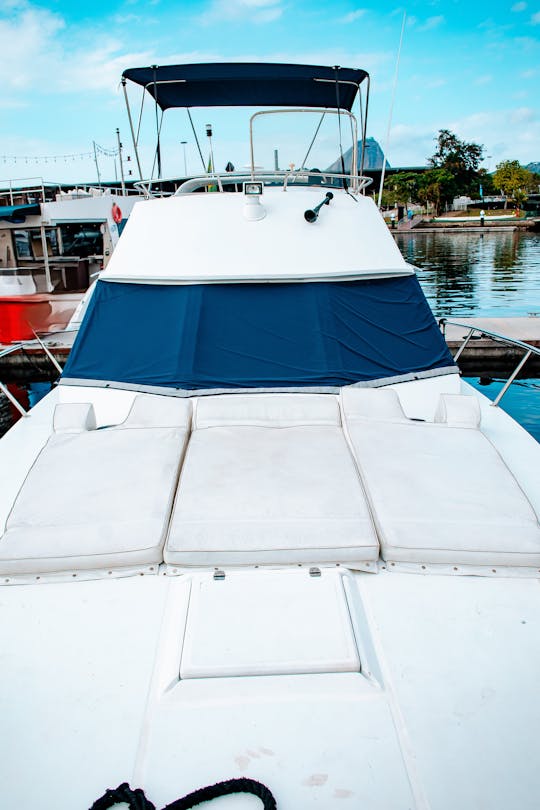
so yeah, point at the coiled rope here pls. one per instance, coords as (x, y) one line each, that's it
(136, 799)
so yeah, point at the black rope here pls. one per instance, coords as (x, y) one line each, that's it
(136, 799)
(123, 793)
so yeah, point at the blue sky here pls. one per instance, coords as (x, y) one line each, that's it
(471, 67)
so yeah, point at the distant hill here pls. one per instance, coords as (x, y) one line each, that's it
(373, 158)
(533, 167)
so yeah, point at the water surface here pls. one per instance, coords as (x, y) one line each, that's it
(477, 274)
(483, 275)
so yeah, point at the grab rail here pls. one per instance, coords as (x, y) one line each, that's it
(230, 178)
(497, 338)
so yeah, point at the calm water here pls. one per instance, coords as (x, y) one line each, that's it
(474, 274)
(492, 274)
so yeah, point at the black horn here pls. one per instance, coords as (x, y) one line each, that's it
(311, 215)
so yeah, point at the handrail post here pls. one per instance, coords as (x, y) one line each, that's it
(14, 402)
(459, 352)
(49, 354)
(511, 379)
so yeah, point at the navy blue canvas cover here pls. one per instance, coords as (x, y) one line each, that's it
(249, 84)
(208, 336)
(18, 213)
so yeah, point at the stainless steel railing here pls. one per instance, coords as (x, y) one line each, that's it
(16, 347)
(497, 338)
(300, 176)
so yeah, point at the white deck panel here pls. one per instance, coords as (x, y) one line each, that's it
(462, 659)
(167, 240)
(291, 623)
(450, 722)
(76, 662)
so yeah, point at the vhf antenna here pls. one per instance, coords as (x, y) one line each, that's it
(391, 111)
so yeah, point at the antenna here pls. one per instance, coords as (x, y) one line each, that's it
(391, 110)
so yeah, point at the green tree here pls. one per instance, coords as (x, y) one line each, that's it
(459, 158)
(438, 187)
(513, 180)
(403, 187)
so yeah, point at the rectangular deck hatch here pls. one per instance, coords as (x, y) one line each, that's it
(268, 623)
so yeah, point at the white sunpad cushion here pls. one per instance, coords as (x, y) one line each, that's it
(432, 488)
(95, 499)
(256, 495)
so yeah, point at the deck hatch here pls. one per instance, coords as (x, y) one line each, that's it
(268, 623)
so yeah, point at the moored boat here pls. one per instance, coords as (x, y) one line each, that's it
(53, 245)
(262, 530)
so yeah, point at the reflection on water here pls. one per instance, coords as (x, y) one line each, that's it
(521, 401)
(483, 274)
(475, 274)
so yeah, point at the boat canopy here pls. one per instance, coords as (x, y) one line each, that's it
(234, 84)
(18, 213)
(211, 337)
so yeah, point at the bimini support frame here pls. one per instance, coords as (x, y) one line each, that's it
(133, 138)
(155, 82)
(312, 110)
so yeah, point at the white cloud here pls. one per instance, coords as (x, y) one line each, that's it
(485, 126)
(411, 145)
(25, 44)
(352, 16)
(529, 74)
(432, 22)
(535, 19)
(257, 11)
(519, 6)
(485, 79)
(435, 82)
(523, 115)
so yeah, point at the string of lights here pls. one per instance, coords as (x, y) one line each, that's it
(59, 158)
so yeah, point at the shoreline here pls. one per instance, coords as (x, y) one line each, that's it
(528, 226)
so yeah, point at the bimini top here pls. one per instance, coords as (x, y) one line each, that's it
(236, 84)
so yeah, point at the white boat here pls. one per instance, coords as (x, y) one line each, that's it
(262, 531)
(53, 245)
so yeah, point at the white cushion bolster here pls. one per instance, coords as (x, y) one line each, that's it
(457, 410)
(380, 404)
(267, 410)
(74, 417)
(149, 410)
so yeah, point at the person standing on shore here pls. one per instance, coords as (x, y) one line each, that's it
(482, 217)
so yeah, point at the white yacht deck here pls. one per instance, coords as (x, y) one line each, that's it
(290, 544)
